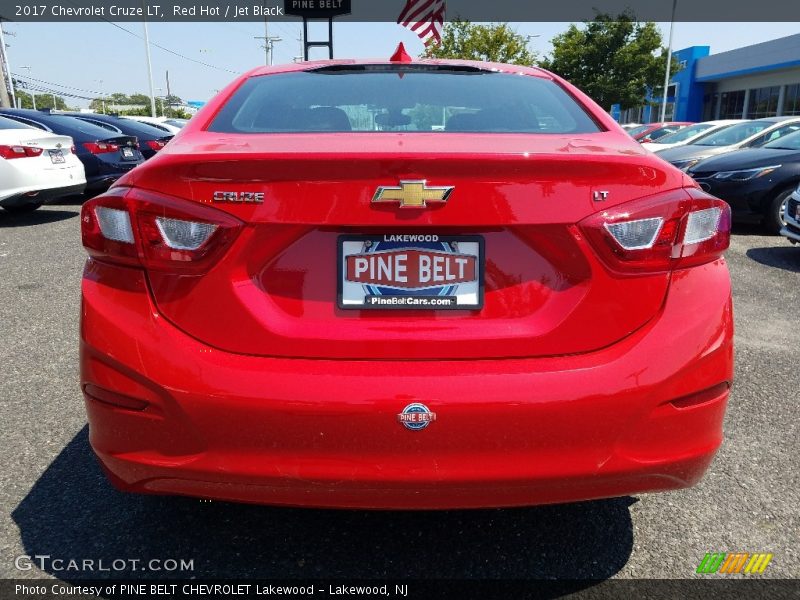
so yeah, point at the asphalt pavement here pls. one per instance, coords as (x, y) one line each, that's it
(55, 501)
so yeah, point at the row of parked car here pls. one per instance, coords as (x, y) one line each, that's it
(754, 165)
(51, 154)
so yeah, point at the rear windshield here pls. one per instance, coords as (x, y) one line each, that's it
(388, 99)
(637, 130)
(78, 125)
(659, 133)
(9, 124)
(683, 134)
(128, 126)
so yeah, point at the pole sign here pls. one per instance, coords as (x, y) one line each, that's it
(317, 9)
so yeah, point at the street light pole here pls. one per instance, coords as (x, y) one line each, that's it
(669, 64)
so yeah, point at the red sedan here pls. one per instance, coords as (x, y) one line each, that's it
(405, 284)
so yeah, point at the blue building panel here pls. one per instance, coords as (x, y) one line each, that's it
(690, 92)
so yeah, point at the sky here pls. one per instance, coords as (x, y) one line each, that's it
(95, 58)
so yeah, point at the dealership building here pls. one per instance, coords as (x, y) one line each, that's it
(762, 80)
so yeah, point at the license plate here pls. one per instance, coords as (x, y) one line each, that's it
(410, 272)
(56, 156)
(127, 152)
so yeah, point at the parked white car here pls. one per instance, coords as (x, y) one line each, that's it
(689, 135)
(748, 134)
(172, 126)
(36, 166)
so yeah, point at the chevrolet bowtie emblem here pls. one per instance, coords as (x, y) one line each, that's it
(412, 194)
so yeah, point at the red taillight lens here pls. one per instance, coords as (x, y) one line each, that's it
(73, 149)
(101, 147)
(156, 145)
(157, 232)
(9, 152)
(675, 230)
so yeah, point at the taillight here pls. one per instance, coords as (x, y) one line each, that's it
(147, 229)
(9, 152)
(156, 145)
(678, 229)
(101, 147)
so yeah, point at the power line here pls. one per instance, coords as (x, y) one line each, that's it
(67, 87)
(178, 54)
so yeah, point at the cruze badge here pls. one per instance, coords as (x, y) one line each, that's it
(243, 197)
(416, 416)
(412, 194)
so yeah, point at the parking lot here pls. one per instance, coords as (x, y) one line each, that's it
(55, 501)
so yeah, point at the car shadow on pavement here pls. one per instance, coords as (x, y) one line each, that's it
(73, 513)
(38, 217)
(783, 257)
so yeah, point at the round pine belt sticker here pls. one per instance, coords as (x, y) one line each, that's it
(416, 416)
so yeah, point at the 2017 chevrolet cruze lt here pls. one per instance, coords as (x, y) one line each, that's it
(405, 284)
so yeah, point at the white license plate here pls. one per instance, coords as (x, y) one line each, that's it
(127, 152)
(411, 272)
(56, 156)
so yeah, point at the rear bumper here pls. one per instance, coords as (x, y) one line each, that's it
(749, 200)
(43, 195)
(512, 432)
(792, 229)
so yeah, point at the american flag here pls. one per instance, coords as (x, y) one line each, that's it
(425, 18)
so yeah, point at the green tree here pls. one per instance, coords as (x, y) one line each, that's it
(494, 42)
(613, 60)
(139, 99)
(43, 100)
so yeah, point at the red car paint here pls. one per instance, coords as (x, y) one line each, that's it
(231, 372)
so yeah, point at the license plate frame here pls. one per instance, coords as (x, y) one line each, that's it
(56, 157)
(127, 153)
(464, 295)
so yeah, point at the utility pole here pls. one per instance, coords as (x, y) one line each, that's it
(6, 82)
(269, 43)
(102, 95)
(33, 92)
(161, 90)
(168, 93)
(299, 58)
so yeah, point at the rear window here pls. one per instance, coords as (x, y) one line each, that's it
(637, 130)
(383, 98)
(83, 127)
(9, 124)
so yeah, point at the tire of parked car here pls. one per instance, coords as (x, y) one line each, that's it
(773, 220)
(22, 209)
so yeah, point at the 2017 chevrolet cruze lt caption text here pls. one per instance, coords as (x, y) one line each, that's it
(405, 284)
